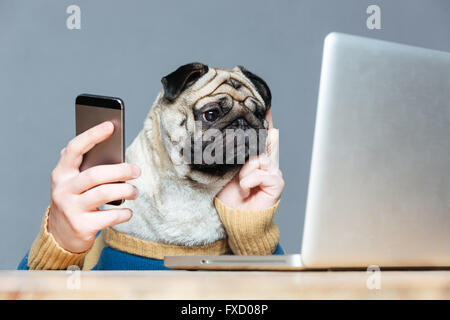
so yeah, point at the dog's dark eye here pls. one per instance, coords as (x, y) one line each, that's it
(211, 115)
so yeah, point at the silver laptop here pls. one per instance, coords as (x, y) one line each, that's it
(379, 189)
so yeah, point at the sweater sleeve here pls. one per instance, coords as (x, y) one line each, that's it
(249, 232)
(47, 254)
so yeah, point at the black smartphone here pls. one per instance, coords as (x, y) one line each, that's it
(91, 110)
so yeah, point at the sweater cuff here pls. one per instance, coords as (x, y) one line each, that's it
(250, 232)
(47, 254)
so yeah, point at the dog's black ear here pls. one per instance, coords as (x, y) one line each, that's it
(261, 86)
(177, 81)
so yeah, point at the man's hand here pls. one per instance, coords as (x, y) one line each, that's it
(259, 183)
(74, 218)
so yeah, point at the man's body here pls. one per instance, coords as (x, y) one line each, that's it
(70, 230)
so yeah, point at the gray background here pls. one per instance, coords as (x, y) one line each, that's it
(125, 47)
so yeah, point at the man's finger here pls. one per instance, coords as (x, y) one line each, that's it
(101, 219)
(252, 164)
(272, 147)
(259, 178)
(102, 174)
(72, 155)
(105, 193)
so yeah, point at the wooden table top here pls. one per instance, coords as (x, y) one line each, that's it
(224, 285)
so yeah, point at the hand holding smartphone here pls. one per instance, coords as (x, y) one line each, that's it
(91, 172)
(91, 110)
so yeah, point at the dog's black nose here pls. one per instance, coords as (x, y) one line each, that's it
(240, 123)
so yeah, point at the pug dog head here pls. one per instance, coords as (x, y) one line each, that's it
(211, 119)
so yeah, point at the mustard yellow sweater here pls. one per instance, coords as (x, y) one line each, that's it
(248, 233)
